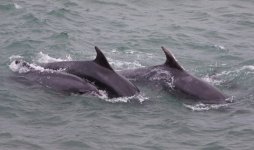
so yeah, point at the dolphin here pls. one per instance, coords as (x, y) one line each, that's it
(172, 75)
(59, 81)
(100, 73)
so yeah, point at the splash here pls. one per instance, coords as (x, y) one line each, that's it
(129, 51)
(139, 97)
(249, 67)
(212, 80)
(17, 6)
(41, 69)
(20, 68)
(103, 94)
(220, 47)
(124, 65)
(15, 57)
(114, 51)
(45, 58)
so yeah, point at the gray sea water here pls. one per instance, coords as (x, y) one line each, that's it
(212, 39)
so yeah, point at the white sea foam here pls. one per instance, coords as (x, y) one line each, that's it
(205, 107)
(139, 97)
(45, 58)
(249, 67)
(119, 65)
(15, 57)
(220, 47)
(39, 68)
(18, 67)
(129, 51)
(17, 6)
(212, 80)
(103, 94)
(114, 51)
(119, 99)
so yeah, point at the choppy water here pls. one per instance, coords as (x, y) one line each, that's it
(212, 39)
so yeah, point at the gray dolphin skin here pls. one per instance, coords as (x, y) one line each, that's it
(178, 79)
(100, 73)
(59, 81)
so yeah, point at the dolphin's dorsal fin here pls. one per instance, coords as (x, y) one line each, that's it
(101, 59)
(171, 61)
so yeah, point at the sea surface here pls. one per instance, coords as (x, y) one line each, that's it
(212, 39)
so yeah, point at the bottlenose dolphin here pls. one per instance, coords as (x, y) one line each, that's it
(173, 76)
(55, 80)
(100, 73)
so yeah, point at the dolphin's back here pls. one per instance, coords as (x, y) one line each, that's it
(100, 72)
(60, 81)
(115, 84)
(197, 88)
(172, 72)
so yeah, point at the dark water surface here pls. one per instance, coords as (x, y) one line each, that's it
(212, 39)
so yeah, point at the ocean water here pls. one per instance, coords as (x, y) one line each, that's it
(212, 39)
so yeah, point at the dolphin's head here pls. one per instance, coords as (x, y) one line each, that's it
(22, 63)
(20, 66)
